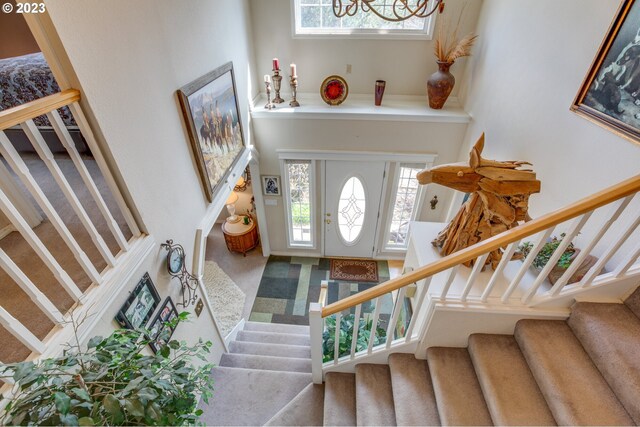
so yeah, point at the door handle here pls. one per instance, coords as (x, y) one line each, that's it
(328, 221)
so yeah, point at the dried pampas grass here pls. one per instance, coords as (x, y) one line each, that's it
(448, 47)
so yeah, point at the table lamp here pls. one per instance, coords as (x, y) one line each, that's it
(231, 207)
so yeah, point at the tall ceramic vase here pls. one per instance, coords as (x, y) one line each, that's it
(440, 85)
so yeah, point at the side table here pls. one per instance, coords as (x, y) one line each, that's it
(240, 237)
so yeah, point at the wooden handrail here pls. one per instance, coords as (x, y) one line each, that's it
(588, 204)
(22, 113)
(324, 290)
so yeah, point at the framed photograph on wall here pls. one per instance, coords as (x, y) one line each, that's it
(212, 117)
(138, 308)
(271, 185)
(610, 94)
(159, 332)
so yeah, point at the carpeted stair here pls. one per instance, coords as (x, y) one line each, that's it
(268, 367)
(585, 371)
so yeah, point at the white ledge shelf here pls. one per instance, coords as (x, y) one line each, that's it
(361, 107)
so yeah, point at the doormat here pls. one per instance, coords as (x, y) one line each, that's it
(289, 284)
(357, 270)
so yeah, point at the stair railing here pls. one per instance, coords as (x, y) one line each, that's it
(24, 217)
(533, 294)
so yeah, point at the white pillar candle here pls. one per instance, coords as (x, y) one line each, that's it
(293, 70)
(267, 78)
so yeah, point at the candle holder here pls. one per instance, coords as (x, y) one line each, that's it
(294, 90)
(277, 81)
(269, 105)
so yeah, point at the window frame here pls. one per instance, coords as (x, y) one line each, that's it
(292, 244)
(359, 33)
(417, 206)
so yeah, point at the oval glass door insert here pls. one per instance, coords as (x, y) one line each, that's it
(351, 209)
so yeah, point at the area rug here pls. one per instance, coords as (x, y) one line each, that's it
(226, 298)
(354, 270)
(289, 284)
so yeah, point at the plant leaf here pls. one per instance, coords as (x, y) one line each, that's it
(111, 405)
(62, 401)
(86, 421)
(69, 420)
(93, 342)
(82, 394)
(134, 407)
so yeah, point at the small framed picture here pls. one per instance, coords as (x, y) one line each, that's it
(271, 185)
(137, 310)
(159, 332)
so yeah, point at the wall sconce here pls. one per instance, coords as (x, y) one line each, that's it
(231, 207)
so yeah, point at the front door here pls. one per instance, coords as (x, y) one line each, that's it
(352, 201)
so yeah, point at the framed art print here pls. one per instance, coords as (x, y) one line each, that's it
(212, 117)
(158, 330)
(138, 308)
(271, 185)
(610, 94)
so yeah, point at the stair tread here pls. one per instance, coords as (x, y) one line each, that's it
(574, 389)
(276, 327)
(413, 396)
(264, 392)
(339, 399)
(270, 363)
(273, 337)
(374, 398)
(270, 349)
(510, 391)
(458, 394)
(304, 410)
(610, 335)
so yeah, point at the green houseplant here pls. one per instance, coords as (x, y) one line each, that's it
(111, 382)
(346, 336)
(565, 260)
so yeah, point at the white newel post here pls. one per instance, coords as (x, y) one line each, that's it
(315, 332)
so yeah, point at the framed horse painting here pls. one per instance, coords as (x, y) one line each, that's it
(610, 94)
(212, 118)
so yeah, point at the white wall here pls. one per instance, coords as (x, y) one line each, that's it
(130, 58)
(531, 58)
(404, 64)
(443, 139)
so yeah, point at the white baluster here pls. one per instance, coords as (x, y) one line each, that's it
(46, 155)
(374, 324)
(418, 307)
(20, 168)
(86, 131)
(316, 329)
(477, 268)
(506, 257)
(586, 250)
(336, 343)
(627, 263)
(19, 331)
(356, 330)
(397, 308)
(39, 248)
(40, 299)
(452, 275)
(526, 263)
(22, 203)
(577, 225)
(67, 142)
(609, 253)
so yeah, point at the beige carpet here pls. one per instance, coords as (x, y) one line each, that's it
(16, 301)
(226, 298)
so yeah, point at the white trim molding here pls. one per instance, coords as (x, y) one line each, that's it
(356, 156)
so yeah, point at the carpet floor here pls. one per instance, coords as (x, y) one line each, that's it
(289, 284)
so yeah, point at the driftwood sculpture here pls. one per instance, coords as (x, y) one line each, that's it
(498, 200)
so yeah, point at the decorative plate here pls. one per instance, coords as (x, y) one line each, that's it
(334, 90)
